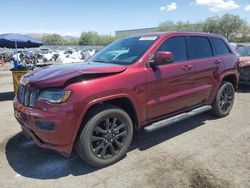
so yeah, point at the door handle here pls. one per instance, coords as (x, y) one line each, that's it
(217, 61)
(187, 67)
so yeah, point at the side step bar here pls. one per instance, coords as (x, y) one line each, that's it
(177, 118)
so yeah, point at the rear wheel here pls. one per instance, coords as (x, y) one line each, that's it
(105, 137)
(224, 100)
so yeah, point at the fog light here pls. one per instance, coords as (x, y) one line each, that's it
(45, 125)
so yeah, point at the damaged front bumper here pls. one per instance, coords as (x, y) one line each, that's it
(55, 139)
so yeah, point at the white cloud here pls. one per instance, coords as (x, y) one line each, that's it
(247, 8)
(169, 7)
(218, 5)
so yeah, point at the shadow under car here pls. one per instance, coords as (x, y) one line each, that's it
(28, 160)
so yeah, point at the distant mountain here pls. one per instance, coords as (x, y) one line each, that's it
(41, 35)
(37, 35)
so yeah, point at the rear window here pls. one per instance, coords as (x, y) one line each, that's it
(219, 47)
(177, 46)
(200, 48)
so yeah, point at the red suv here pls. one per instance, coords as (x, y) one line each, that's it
(140, 82)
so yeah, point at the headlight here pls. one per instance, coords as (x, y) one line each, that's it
(54, 95)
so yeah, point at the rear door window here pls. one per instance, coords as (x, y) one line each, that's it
(219, 47)
(199, 47)
(176, 45)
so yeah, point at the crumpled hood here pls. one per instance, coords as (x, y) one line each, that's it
(244, 61)
(57, 75)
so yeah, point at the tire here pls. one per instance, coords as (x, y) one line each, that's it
(223, 101)
(106, 136)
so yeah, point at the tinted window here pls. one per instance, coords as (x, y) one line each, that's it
(219, 47)
(177, 46)
(200, 47)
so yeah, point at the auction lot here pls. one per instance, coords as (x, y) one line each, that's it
(199, 152)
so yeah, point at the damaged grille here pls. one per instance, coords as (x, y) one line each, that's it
(27, 96)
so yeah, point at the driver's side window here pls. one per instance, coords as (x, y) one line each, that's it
(176, 45)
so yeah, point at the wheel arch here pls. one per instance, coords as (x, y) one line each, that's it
(232, 78)
(122, 101)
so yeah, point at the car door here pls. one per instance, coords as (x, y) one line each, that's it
(169, 86)
(207, 68)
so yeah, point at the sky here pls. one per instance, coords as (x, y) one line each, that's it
(72, 17)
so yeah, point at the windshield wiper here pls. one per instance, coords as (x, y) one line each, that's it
(98, 61)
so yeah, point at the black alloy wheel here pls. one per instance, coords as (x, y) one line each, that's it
(108, 137)
(224, 100)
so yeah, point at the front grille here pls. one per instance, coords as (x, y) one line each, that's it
(27, 96)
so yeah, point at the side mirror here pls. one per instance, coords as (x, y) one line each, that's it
(161, 58)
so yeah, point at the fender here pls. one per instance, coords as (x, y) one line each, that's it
(102, 100)
(223, 76)
(230, 73)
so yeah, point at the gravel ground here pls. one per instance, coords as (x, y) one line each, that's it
(198, 152)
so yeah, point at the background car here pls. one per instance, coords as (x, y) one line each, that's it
(244, 64)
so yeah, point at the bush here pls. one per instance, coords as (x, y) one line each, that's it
(93, 38)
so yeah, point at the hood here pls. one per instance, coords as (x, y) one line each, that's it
(244, 61)
(58, 75)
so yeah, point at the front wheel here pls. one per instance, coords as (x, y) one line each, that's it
(224, 100)
(106, 136)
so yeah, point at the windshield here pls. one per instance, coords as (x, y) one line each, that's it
(124, 51)
(244, 51)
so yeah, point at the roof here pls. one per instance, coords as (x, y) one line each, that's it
(159, 34)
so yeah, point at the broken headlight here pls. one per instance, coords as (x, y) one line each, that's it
(54, 95)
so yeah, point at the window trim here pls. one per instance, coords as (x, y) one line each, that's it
(220, 55)
(190, 51)
(187, 54)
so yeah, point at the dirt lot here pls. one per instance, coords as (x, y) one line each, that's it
(199, 152)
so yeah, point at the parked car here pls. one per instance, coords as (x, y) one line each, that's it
(140, 82)
(244, 53)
